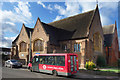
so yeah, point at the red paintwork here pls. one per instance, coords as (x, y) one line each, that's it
(66, 68)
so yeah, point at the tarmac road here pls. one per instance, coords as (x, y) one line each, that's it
(24, 73)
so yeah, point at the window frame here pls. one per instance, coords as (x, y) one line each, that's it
(38, 45)
(77, 47)
(23, 46)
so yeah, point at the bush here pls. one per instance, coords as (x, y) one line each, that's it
(90, 65)
(101, 62)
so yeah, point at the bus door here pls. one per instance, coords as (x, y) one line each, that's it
(73, 63)
(35, 64)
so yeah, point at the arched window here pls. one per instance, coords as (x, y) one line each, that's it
(97, 40)
(77, 47)
(38, 45)
(23, 46)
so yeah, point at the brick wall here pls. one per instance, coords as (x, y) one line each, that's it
(96, 27)
(114, 53)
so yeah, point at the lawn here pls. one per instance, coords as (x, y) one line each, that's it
(111, 70)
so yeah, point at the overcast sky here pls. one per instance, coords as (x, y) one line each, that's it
(14, 14)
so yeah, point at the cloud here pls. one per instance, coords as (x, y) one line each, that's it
(72, 8)
(87, 6)
(39, 2)
(105, 20)
(57, 18)
(8, 19)
(9, 27)
(10, 38)
(21, 13)
(7, 41)
(49, 7)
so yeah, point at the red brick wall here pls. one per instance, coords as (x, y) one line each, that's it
(119, 54)
(114, 52)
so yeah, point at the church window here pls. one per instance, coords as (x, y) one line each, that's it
(77, 47)
(23, 47)
(97, 40)
(38, 45)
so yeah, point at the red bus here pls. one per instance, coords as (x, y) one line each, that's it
(57, 64)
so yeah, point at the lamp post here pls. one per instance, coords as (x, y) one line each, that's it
(30, 48)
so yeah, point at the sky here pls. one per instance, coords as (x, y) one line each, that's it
(14, 14)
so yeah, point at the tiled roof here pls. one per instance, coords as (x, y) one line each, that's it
(108, 34)
(108, 38)
(14, 42)
(109, 29)
(56, 34)
(79, 24)
(69, 28)
(29, 30)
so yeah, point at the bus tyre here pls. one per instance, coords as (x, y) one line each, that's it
(54, 73)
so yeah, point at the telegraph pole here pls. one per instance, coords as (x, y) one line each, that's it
(30, 48)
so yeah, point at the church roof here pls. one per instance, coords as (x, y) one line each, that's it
(108, 31)
(56, 34)
(29, 30)
(14, 42)
(69, 28)
(74, 27)
(79, 24)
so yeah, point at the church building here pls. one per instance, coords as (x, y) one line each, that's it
(111, 44)
(81, 34)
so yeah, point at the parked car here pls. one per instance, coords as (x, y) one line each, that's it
(12, 63)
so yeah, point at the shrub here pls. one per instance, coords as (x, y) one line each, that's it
(101, 62)
(90, 65)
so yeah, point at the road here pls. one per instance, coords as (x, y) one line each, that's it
(24, 73)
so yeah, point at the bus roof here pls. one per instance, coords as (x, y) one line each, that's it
(55, 54)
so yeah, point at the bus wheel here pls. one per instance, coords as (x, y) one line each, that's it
(54, 72)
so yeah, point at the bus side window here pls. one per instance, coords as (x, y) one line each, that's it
(60, 60)
(40, 59)
(43, 60)
(51, 60)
